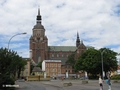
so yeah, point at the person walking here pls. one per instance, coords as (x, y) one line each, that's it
(109, 83)
(101, 83)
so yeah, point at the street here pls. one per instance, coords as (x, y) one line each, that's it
(34, 85)
(58, 85)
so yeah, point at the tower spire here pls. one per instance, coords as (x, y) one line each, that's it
(78, 40)
(77, 35)
(38, 10)
(38, 21)
(38, 16)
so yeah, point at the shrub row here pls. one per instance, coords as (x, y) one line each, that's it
(93, 77)
(116, 77)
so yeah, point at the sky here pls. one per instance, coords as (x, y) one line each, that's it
(96, 21)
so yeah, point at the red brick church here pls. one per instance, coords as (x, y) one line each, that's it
(40, 50)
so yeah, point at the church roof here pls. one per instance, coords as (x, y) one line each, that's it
(38, 26)
(36, 69)
(62, 48)
(63, 60)
(82, 46)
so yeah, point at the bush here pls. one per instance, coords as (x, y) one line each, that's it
(93, 77)
(116, 77)
(6, 80)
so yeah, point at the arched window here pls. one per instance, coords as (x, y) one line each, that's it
(67, 55)
(62, 55)
(38, 58)
(57, 55)
(52, 55)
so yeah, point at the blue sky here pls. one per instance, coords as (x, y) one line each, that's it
(97, 21)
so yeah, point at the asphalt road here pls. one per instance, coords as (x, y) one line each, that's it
(30, 86)
(34, 85)
(58, 85)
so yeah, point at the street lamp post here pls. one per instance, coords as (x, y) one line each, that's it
(118, 58)
(14, 36)
(102, 64)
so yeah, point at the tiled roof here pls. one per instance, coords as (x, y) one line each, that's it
(38, 26)
(63, 60)
(52, 60)
(36, 69)
(62, 48)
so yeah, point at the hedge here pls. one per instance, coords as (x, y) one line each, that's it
(116, 77)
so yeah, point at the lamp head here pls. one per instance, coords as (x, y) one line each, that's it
(24, 33)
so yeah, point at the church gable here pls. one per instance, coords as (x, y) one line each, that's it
(82, 46)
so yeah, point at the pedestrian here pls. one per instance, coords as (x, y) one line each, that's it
(109, 83)
(101, 83)
(62, 78)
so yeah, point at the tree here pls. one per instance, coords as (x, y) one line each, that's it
(71, 60)
(109, 60)
(90, 61)
(9, 65)
(20, 66)
(40, 64)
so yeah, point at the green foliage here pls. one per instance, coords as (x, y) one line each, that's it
(10, 63)
(6, 80)
(31, 68)
(116, 77)
(93, 77)
(20, 66)
(90, 61)
(40, 64)
(71, 60)
(109, 60)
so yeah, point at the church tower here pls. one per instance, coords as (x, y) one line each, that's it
(80, 47)
(38, 41)
(77, 40)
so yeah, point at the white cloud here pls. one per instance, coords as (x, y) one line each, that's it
(97, 22)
